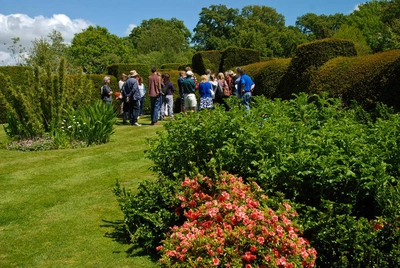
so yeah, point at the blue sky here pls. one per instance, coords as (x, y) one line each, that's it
(37, 18)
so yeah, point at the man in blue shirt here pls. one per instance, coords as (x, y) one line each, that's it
(245, 88)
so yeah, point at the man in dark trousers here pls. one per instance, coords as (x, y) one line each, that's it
(155, 95)
(132, 92)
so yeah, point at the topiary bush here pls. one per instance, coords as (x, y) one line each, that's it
(233, 57)
(203, 60)
(267, 76)
(306, 61)
(366, 79)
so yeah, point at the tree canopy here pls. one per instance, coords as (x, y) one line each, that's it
(95, 48)
(160, 35)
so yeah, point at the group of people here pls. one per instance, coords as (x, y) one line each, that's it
(212, 89)
(215, 89)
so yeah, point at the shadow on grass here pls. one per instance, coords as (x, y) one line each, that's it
(121, 235)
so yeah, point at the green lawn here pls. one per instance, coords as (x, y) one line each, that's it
(57, 208)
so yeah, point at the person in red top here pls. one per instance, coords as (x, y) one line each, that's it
(154, 89)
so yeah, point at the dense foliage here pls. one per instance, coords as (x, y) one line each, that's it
(255, 27)
(95, 48)
(337, 164)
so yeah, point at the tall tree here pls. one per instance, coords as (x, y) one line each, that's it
(95, 48)
(320, 26)
(47, 51)
(215, 28)
(157, 35)
(256, 27)
(368, 18)
(354, 34)
(262, 28)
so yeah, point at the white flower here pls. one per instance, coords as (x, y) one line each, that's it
(69, 126)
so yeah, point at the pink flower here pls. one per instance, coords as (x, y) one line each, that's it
(287, 206)
(261, 240)
(248, 256)
(216, 261)
(281, 261)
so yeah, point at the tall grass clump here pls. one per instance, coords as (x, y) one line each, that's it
(92, 123)
(335, 164)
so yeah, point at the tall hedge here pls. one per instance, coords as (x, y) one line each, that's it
(308, 58)
(233, 57)
(175, 66)
(366, 79)
(222, 60)
(116, 70)
(267, 76)
(203, 60)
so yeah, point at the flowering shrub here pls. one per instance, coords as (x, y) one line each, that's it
(35, 144)
(229, 224)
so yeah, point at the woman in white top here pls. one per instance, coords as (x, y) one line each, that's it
(142, 90)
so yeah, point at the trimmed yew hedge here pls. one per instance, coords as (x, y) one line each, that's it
(233, 56)
(116, 70)
(175, 66)
(365, 79)
(222, 60)
(306, 61)
(207, 60)
(267, 76)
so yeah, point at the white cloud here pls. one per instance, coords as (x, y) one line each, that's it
(356, 7)
(129, 29)
(28, 29)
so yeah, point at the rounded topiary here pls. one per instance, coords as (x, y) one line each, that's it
(308, 58)
(365, 79)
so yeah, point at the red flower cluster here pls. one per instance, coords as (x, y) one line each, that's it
(228, 225)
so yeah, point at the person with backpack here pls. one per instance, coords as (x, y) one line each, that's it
(132, 92)
(106, 92)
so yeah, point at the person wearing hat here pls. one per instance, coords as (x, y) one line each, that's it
(133, 97)
(189, 88)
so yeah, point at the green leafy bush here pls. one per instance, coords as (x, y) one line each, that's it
(149, 213)
(310, 149)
